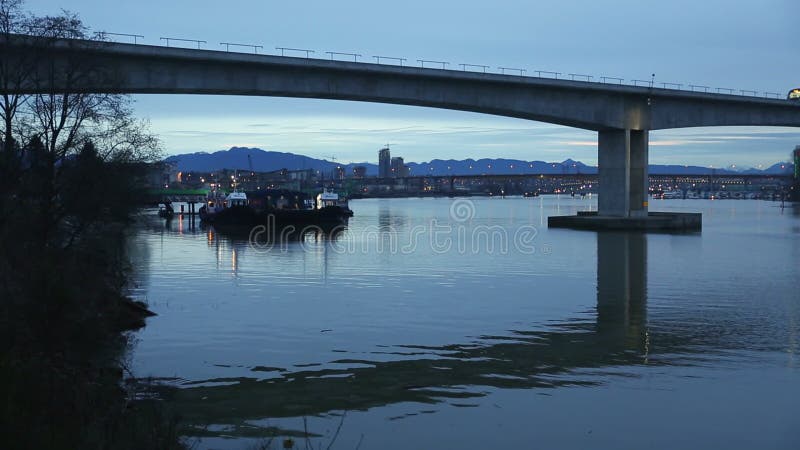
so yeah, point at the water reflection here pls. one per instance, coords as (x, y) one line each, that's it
(230, 245)
(667, 324)
(390, 220)
(616, 336)
(622, 288)
(190, 226)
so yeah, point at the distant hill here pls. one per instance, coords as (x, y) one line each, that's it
(236, 158)
(265, 161)
(775, 169)
(498, 166)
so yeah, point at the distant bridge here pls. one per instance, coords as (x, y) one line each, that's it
(622, 115)
(520, 183)
(518, 176)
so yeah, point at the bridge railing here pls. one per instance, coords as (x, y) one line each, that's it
(443, 65)
(430, 61)
(603, 79)
(354, 55)
(103, 35)
(228, 46)
(298, 50)
(513, 69)
(478, 66)
(390, 58)
(196, 41)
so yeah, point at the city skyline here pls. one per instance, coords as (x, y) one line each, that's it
(570, 37)
(396, 157)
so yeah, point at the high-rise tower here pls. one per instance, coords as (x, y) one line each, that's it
(384, 163)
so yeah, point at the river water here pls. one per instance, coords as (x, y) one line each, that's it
(467, 323)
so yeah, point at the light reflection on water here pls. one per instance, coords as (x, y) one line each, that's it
(601, 339)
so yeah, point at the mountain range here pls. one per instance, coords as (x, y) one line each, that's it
(264, 161)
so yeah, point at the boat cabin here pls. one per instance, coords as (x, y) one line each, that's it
(266, 199)
(236, 199)
(327, 198)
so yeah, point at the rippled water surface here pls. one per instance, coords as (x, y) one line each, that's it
(441, 323)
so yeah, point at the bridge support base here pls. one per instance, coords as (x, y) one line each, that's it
(654, 221)
(622, 202)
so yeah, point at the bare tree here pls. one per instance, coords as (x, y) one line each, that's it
(13, 73)
(47, 96)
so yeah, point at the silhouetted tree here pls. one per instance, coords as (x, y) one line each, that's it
(12, 73)
(68, 166)
(43, 99)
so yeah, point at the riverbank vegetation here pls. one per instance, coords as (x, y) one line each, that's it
(69, 165)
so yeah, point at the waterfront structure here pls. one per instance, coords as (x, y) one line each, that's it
(384, 162)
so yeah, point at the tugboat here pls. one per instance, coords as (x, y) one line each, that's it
(216, 204)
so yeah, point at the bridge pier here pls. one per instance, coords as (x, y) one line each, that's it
(622, 202)
(622, 167)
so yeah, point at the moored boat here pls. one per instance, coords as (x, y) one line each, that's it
(275, 208)
(216, 203)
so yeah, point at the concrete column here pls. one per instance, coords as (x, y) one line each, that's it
(638, 173)
(613, 159)
(622, 160)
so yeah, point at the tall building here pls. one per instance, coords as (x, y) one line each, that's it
(399, 168)
(384, 163)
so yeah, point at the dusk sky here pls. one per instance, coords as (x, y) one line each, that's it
(741, 45)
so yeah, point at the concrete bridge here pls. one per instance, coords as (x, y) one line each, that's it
(622, 115)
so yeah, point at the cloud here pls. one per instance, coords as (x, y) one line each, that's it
(684, 142)
(579, 143)
(442, 134)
